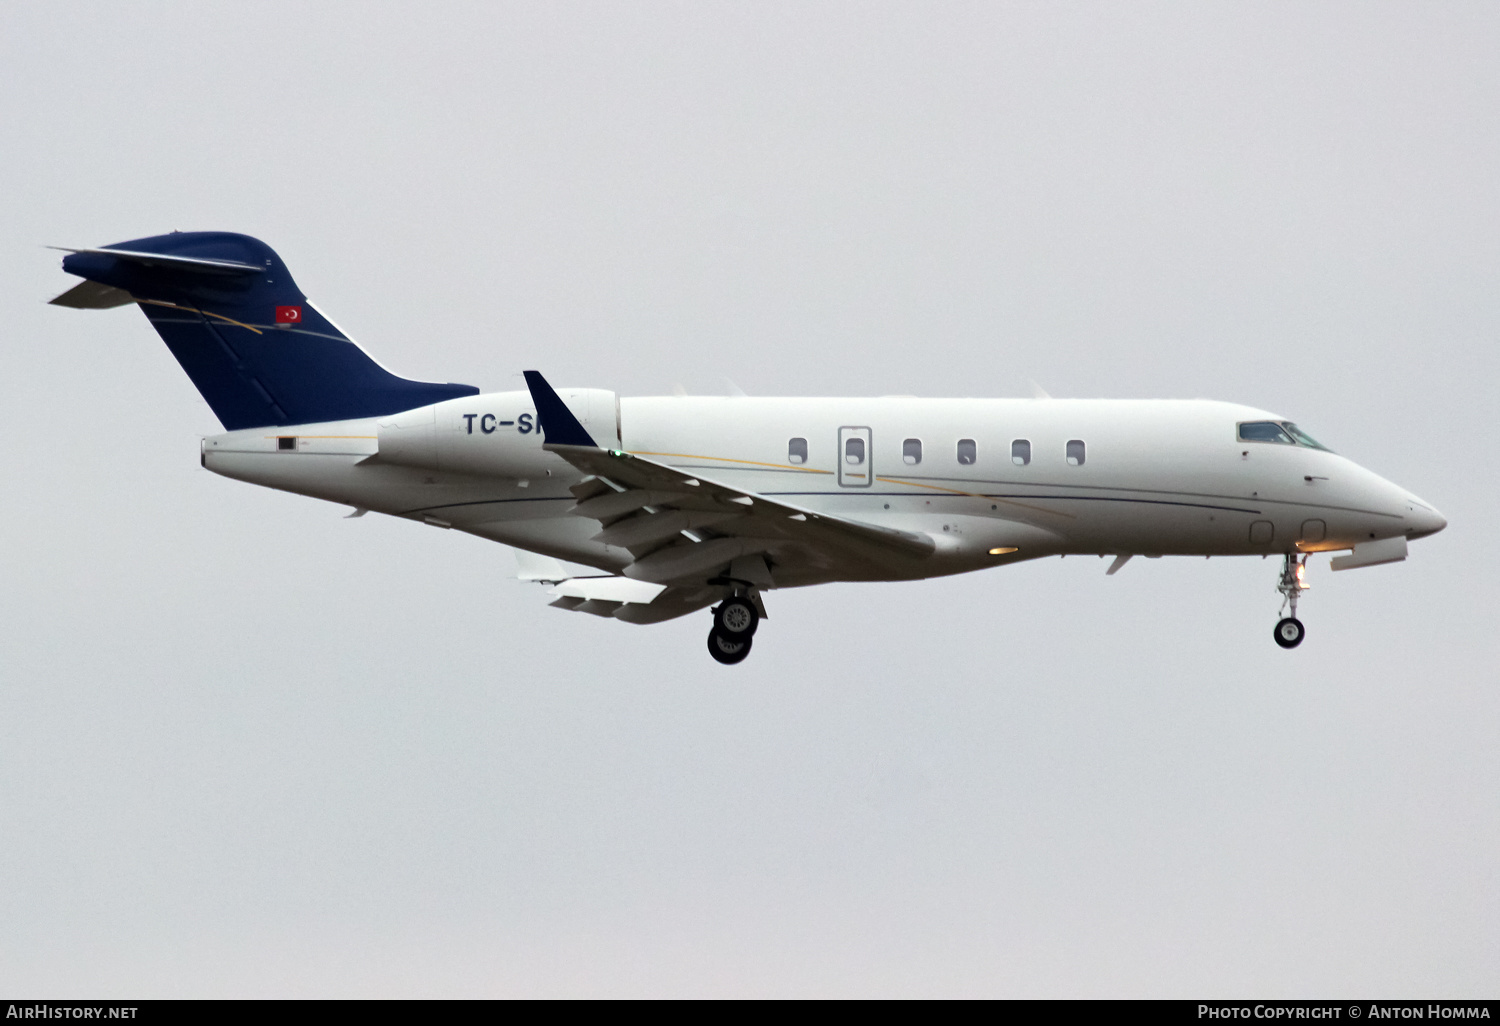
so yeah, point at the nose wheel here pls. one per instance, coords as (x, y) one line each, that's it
(1289, 630)
(735, 621)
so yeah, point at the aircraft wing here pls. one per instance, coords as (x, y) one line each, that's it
(683, 529)
(677, 525)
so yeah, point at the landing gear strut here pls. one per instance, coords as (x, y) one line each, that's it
(735, 621)
(1289, 630)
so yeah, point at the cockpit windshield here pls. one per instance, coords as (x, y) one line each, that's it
(1282, 432)
(1264, 431)
(1302, 437)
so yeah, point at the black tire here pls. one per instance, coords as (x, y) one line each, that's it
(736, 618)
(728, 650)
(1290, 632)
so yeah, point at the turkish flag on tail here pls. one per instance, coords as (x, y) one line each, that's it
(288, 315)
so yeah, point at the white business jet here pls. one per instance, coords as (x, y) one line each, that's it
(646, 509)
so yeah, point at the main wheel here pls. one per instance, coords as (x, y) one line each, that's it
(736, 618)
(727, 650)
(1290, 632)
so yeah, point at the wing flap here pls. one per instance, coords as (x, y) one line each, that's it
(649, 530)
(614, 504)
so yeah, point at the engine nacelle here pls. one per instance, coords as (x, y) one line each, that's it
(494, 434)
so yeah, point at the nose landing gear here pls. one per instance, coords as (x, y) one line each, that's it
(735, 621)
(1289, 630)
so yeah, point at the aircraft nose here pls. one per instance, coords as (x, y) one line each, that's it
(1424, 519)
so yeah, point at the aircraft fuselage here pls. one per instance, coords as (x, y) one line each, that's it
(1038, 477)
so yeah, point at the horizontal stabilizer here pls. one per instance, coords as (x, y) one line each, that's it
(608, 589)
(179, 263)
(533, 566)
(582, 589)
(91, 295)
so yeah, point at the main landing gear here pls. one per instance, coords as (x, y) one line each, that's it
(1289, 630)
(735, 621)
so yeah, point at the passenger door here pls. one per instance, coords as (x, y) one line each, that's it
(856, 459)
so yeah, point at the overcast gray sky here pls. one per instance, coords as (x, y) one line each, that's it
(250, 748)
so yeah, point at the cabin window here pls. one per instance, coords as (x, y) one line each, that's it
(796, 450)
(1020, 451)
(1075, 452)
(1264, 431)
(967, 451)
(911, 451)
(854, 451)
(286, 443)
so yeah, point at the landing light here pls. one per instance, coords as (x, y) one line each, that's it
(1002, 551)
(1302, 576)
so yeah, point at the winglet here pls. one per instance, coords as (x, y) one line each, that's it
(557, 422)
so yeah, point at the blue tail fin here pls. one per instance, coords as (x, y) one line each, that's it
(257, 350)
